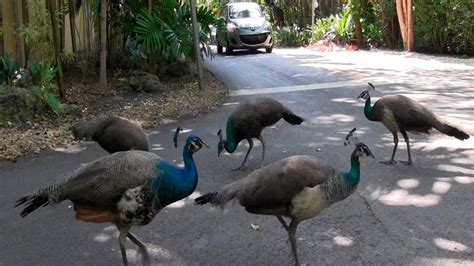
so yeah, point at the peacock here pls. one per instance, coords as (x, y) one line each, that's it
(124, 188)
(113, 133)
(297, 187)
(401, 114)
(248, 121)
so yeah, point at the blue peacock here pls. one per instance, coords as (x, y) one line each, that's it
(125, 188)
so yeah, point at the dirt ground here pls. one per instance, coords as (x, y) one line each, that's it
(86, 101)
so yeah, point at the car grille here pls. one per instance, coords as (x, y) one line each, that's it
(254, 39)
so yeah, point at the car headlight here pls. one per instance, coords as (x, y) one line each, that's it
(231, 27)
(267, 26)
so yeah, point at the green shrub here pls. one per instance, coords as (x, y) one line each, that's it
(9, 70)
(291, 36)
(444, 25)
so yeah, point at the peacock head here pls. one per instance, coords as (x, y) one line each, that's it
(361, 150)
(195, 143)
(220, 146)
(365, 93)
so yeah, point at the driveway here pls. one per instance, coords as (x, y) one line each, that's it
(412, 215)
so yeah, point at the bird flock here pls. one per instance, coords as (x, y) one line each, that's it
(131, 185)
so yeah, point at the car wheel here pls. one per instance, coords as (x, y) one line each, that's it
(219, 48)
(269, 50)
(229, 50)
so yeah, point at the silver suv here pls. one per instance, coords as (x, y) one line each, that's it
(246, 28)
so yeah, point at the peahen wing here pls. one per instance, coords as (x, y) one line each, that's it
(274, 186)
(410, 114)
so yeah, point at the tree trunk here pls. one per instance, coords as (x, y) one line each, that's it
(57, 46)
(356, 10)
(103, 44)
(150, 5)
(72, 24)
(410, 27)
(8, 21)
(405, 20)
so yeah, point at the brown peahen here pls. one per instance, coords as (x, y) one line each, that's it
(298, 187)
(248, 121)
(401, 114)
(112, 133)
(124, 188)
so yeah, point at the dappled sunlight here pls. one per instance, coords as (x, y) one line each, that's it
(231, 103)
(347, 100)
(441, 261)
(153, 132)
(330, 239)
(408, 183)
(450, 245)
(157, 147)
(454, 168)
(441, 187)
(331, 119)
(186, 201)
(74, 148)
(343, 241)
(401, 197)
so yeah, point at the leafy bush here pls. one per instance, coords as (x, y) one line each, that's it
(338, 27)
(38, 77)
(9, 70)
(291, 36)
(444, 25)
(167, 33)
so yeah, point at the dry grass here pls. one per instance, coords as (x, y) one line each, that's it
(183, 99)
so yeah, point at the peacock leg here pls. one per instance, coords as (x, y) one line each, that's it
(123, 241)
(395, 142)
(405, 137)
(282, 221)
(263, 149)
(292, 236)
(242, 166)
(142, 247)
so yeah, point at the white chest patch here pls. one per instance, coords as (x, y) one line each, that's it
(308, 203)
(129, 202)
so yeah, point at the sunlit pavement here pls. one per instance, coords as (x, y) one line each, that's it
(418, 215)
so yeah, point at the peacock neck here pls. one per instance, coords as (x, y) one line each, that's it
(230, 146)
(353, 176)
(175, 183)
(188, 159)
(369, 110)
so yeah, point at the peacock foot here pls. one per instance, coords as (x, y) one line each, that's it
(389, 162)
(409, 162)
(240, 168)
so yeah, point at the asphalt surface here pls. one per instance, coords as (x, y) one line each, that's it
(411, 215)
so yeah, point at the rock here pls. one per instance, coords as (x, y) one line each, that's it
(18, 105)
(141, 81)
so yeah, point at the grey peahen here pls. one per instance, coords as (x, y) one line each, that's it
(125, 188)
(248, 121)
(298, 187)
(113, 133)
(401, 114)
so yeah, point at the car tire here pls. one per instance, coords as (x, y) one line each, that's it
(219, 48)
(229, 50)
(269, 50)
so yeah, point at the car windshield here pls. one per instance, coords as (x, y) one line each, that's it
(246, 11)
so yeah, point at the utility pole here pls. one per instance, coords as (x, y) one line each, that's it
(196, 44)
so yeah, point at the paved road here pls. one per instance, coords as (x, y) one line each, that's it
(418, 215)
